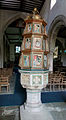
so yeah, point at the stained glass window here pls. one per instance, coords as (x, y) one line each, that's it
(17, 49)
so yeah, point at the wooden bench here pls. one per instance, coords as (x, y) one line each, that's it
(54, 82)
(63, 82)
(4, 81)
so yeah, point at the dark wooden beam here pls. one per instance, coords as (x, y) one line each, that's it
(14, 39)
(21, 5)
(32, 1)
(12, 33)
(9, 5)
(10, 1)
(15, 43)
(9, 8)
(42, 4)
(31, 6)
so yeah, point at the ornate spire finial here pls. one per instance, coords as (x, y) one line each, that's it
(35, 11)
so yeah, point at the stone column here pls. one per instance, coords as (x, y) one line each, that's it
(51, 61)
(1, 50)
(33, 102)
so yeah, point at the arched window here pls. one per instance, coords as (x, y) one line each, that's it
(53, 2)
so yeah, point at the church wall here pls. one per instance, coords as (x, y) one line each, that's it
(55, 17)
(45, 10)
(50, 14)
(58, 9)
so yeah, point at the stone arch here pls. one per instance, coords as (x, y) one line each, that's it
(8, 20)
(56, 24)
(12, 19)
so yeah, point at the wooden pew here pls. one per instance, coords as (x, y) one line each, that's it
(4, 81)
(63, 82)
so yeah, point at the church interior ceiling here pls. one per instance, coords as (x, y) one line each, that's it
(21, 5)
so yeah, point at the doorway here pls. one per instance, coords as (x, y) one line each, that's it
(12, 42)
(59, 59)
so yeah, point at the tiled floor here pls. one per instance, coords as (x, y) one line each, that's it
(51, 111)
(9, 113)
(56, 110)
